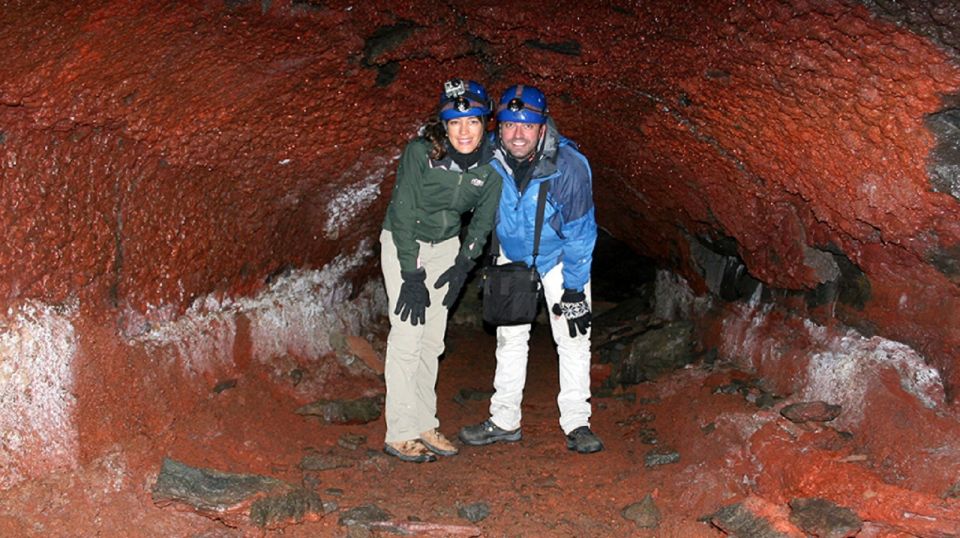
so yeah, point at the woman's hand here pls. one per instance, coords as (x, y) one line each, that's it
(414, 298)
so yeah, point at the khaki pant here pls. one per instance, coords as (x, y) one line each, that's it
(413, 352)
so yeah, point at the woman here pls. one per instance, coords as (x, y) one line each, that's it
(442, 175)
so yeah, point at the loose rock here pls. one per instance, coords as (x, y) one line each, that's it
(363, 516)
(324, 462)
(651, 354)
(474, 512)
(654, 459)
(644, 513)
(237, 499)
(755, 518)
(824, 519)
(359, 411)
(648, 436)
(811, 412)
(352, 441)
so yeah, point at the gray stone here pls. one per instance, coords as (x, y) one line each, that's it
(293, 506)
(723, 271)
(218, 495)
(738, 520)
(648, 436)
(644, 513)
(943, 163)
(822, 263)
(474, 512)
(324, 462)
(363, 516)
(359, 411)
(824, 519)
(653, 354)
(851, 287)
(352, 441)
(657, 458)
(623, 321)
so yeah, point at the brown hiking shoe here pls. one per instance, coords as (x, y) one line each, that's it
(412, 451)
(438, 443)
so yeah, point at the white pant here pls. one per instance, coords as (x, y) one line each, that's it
(512, 352)
(411, 364)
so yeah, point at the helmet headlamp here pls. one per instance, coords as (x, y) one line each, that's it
(461, 104)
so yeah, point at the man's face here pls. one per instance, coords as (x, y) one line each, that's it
(520, 139)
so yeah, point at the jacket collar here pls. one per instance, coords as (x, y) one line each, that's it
(447, 162)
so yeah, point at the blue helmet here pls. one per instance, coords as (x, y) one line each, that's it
(462, 98)
(523, 104)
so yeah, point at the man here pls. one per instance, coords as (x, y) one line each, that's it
(531, 151)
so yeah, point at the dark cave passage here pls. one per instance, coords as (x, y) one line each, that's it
(192, 195)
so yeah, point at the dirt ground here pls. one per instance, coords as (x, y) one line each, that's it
(533, 488)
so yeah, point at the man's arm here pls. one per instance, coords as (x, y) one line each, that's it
(579, 225)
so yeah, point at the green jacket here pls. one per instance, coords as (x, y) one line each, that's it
(429, 198)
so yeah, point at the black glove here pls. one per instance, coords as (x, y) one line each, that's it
(414, 299)
(573, 306)
(455, 276)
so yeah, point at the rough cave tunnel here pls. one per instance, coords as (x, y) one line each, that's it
(192, 194)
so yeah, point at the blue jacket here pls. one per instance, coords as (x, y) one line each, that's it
(570, 227)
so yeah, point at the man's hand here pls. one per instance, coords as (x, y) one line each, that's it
(455, 276)
(574, 308)
(414, 298)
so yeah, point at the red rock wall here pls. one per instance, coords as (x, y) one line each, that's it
(157, 152)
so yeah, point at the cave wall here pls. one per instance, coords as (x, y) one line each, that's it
(163, 162)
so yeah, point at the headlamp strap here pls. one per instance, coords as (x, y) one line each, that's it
(516, 104)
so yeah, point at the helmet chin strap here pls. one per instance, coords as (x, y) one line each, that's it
(543, 138)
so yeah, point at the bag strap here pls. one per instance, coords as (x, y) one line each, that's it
(537, 227)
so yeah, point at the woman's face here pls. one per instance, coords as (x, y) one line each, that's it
(465, 133)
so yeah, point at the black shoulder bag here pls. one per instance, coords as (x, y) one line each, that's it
(511, 292)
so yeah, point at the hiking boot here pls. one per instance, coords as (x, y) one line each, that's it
(487, 432)
(438, 443)
(584, 441)
(413, 451)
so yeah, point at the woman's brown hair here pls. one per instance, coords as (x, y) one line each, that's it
(435, 133)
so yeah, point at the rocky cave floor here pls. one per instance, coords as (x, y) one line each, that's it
(678, 450)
